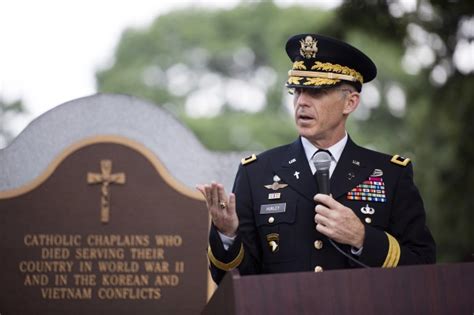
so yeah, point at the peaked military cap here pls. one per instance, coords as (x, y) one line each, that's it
(321, 61)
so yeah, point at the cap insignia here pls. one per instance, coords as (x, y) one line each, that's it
(308, 47)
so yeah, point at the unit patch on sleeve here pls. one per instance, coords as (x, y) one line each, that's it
(372, 189)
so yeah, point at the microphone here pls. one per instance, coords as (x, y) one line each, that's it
(322, 163)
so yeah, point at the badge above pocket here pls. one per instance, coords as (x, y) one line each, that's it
(372, 189)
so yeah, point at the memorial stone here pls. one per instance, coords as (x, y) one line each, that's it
(99, 214)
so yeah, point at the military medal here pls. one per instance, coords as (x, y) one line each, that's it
(372, 189)
(276, 185)
(367, 210)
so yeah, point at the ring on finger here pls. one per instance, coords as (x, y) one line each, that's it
(223, 204)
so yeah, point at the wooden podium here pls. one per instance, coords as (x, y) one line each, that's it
(423, 289)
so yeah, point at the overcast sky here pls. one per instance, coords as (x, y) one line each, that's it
(52, 48)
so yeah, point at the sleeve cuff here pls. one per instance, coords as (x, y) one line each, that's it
(221, 258)
(381, 249)
(393, 253)
(357, 252)
(226, 240)
(226, 266)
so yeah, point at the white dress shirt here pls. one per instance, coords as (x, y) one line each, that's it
(336, 151)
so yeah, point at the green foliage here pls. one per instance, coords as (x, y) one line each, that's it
(206, 41)
(243, 132)
(168, 61)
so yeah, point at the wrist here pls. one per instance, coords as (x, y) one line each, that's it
(228, 233)
(359, 239)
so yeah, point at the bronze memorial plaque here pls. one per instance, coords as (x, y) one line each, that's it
(104, 230)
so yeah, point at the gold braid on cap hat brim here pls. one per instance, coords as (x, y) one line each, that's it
(331, 74)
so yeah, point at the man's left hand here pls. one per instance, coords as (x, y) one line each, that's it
(338, 222)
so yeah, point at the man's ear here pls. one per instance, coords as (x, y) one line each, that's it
(351, 102)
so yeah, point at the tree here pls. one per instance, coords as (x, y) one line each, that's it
(190, 57)
(438, 121)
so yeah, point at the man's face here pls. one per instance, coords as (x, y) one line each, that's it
(320, 114)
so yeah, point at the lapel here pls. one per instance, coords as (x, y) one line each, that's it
(350, 171)
(305, 184)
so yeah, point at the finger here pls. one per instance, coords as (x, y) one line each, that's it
(232, 206)
(323, 210)
(207, 189)
(324, 230)
(214, 194)
(212, 208)
(201, 189)
(322, 198)
(221, 193)
(326, 200)
(319, 219)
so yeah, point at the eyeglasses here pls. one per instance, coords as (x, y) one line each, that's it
(317, 92)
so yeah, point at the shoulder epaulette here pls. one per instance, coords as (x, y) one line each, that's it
(400, 160)
(249, 159)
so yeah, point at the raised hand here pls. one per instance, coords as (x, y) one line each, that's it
(221, 208)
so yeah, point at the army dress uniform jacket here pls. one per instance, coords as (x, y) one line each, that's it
(277, 231)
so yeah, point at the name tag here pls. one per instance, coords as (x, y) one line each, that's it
(273, 208)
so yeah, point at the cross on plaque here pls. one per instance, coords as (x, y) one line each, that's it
(105, 178)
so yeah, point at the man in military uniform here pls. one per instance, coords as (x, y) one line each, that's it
(276, 221)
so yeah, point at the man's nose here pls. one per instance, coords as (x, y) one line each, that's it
(303, 99)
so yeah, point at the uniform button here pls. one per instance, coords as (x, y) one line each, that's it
(318, 244)
(368, 220)
(271, 219)
(318, 269)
